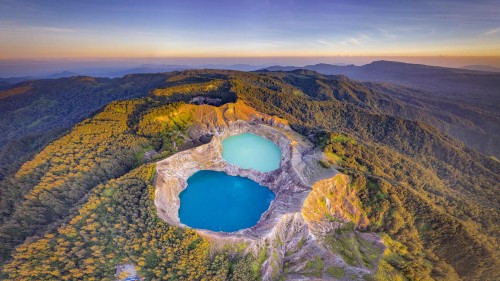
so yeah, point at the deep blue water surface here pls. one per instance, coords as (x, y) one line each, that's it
(219, 202)
(250, 151)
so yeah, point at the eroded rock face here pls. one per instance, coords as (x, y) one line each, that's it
(333, 198)
(308, 195)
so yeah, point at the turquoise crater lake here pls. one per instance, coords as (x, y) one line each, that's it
(219, 202)
(250, 151)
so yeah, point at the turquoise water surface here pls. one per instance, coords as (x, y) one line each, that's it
(251, 151)
(220, 202)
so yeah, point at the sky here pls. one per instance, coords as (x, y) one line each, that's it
(62, 29)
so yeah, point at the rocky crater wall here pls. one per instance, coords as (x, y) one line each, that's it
(308, 195)
(290, 185)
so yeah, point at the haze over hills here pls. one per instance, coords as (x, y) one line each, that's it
(116, 72)
(438, 80)
(439, 96)
(107, 72)
(474, 96)
(487, 68)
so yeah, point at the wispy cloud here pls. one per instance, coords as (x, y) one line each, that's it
(9, 25)
(491, 31)
(266, 43)
(324, 42)
(355, 41)
(386, 33)
(350, 41)
(50, 29)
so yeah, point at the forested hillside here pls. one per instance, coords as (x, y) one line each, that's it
(32, 113)
(465, 101)
(84, 202)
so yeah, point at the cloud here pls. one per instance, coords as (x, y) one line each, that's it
(386, 33)
(350, 41)
(324, 42)
(51, 29)
(491, 31)
(14, 26)
(355, 41)
(265, 43)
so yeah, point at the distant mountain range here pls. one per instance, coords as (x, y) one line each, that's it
(114, 72)
(445, 83)
(481, 68)
(470, 94)
(385, 71)
(110, 72)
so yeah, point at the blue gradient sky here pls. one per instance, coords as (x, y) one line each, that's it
(90, 29)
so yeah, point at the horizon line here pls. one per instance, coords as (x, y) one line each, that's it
(249, 57)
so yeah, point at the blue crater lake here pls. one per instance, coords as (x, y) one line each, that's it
(219, 202)
(251, 151)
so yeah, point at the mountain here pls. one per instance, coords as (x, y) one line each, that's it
(15, 80)
(471, 95)
(116, 72)
(240, 67)
(410, 202)
(441, 81)
(34, 112)
(4, 85)
(107, 72)
(487, 68)
(62, 102)
(145, 68)
(61, 75)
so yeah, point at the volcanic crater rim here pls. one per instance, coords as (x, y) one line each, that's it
(289, 182)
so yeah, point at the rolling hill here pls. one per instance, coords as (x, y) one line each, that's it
(472, 96)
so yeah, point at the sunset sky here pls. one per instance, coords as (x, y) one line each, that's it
(110, 29)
